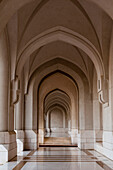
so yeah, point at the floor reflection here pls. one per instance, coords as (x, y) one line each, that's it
(59, 158)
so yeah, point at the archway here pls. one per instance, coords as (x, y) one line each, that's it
(60, 101)
(58, 81)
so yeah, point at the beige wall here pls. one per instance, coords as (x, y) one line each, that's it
(56, 119)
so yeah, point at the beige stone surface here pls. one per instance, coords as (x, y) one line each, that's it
(56, 74)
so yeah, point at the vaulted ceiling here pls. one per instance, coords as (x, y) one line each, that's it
(40, 31)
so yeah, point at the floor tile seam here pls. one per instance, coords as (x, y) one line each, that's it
(22, 163)
(103, 165)
(66, 159)
(60, 161)
(101, 161)
(60, 158)
(61, 155)
(89, 153)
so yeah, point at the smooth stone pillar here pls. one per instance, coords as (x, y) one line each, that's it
(3, 84)
(30, 139)
(19, 118)
(74, 138)
(19, 106)
(18, 115)
(86, 139)
(8, 147)
(47, 123)
(20, 140)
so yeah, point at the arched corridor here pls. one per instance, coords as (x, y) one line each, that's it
(56, 80)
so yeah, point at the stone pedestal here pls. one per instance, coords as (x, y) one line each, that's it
(74, 137)
(106, 146)
(31, 139)
(8, 146)
(86, 139)
(108, 140)
(41, 136)
(98, 135)
(20, 140)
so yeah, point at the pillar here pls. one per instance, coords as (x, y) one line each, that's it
(8, 148)
(64, 118)
(3, 85)
(47, 122)
(19, 118)
(74, 123)
(69, 126)
(30, 133)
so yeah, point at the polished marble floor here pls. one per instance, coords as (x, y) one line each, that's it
(59, 158)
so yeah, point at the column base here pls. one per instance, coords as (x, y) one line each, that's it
(31, 139)
(73, 134)
(108, 140)
(20, 140)
(48, 130)
(106, 146)
(98, 135)
(86, 139)
(8, 146)
(41, 136)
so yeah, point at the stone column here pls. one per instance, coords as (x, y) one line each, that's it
(47, 123)
(3, 85)
(74, 124)
(30, 134)
(7, 139)
(64, 118)
(69, 126)
(19, 118)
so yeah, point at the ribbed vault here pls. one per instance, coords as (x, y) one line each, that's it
(56, 70)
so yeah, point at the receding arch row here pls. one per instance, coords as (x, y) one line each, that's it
(65, 122)
(57, 97)
(58, 62)
(66, 35)
(55, 90)
(69, 55)
(58, 72)
(57, 102)
(82, 85)
(58, 80)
